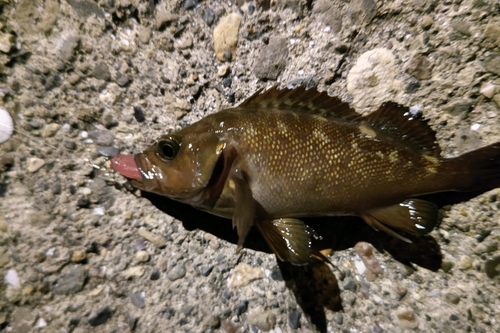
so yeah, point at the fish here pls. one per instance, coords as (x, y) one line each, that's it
(283, 155)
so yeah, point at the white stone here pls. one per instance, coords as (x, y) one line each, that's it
(6, 125)
(12, 278)
(372, 79)
(488, 89)
(99, 211)
(475, 127)
(360, 266)
(41, 323)
(34, 164)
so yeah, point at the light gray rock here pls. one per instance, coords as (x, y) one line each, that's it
(70, 282)
(263, 319)
(272, 59)
(176, 273)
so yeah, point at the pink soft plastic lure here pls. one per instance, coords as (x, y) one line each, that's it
(126, 166)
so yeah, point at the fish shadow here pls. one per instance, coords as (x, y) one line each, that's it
(315, 286)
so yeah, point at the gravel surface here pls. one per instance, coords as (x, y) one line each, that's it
(81, 250)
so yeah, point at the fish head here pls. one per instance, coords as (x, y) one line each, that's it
(181, 166)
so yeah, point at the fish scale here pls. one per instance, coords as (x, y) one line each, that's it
(282, 155)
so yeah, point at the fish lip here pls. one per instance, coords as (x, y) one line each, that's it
(149, 181)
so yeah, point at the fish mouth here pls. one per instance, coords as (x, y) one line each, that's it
(151, 174)
(126, 166)
(133, 168)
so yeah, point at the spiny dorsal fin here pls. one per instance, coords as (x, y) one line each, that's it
(301, 100)
(397, 122)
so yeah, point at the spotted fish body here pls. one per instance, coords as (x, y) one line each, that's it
(286, 154)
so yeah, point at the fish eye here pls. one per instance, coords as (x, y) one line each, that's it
(167, 149)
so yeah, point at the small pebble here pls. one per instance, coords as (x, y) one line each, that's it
(100, 316)
(78, 256)
(407, 318)
(12, 278)
(189, 4)
(144, 34)
(263, 319)
(107, 151)
(195, 91)
(446, 266)
(227, 82)
(488, 89)
(71, 282)
(73, 79)
(101, 71)
(339, 318)
(155, 274)
(40, 323)
(426, 22)
(208, 16)
(157, 240)
(13, 294)
(452, 298)
(99, 211)
(101, 137)
(6, 160)
(464, 263)
(241, 308)
(142, 256)
(176, 273)
(214, 244)
(50, 130)
(223, 70)
(69, 144)
(34, 164)
(132, 272)
(137, 298)
(294, 319)
(243, 274)
(83, 202)
(492, 267)
(207, 270)
(350, 284)
(28, 290)
(7, 41)
(139, 114)
(122, 79)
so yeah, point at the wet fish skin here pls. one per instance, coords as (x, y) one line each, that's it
(286, 154)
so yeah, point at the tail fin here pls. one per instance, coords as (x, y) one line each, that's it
(480, 169)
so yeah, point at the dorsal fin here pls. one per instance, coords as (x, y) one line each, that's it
(301, 100)
(397, 122)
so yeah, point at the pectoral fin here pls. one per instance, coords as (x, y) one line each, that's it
(244, 211)
(415, 216)
(290, 239)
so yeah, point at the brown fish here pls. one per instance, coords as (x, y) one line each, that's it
(286, 154)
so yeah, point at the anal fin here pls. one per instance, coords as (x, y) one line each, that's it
(415, 216)
(290, 239)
